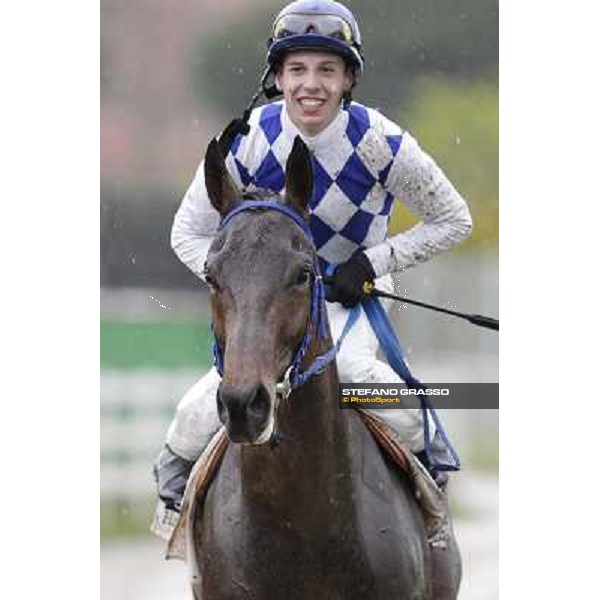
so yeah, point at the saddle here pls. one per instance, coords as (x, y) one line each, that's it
(431, 499)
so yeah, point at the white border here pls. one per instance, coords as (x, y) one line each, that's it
(548, 302)
(50, 272)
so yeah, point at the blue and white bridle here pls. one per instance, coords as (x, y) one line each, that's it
(294, 376)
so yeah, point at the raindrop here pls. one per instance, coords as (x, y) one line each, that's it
(161, 305)
(457, 139)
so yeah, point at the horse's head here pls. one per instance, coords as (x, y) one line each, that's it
(260, 268)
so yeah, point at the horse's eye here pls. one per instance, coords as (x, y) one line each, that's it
(303, 276)
(210, 280)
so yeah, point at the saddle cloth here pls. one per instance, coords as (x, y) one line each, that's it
(177, 529)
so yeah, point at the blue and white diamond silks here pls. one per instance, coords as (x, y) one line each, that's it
(350, 206)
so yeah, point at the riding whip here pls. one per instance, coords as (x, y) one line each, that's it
(479, 320)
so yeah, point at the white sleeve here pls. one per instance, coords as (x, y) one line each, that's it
(422, 186)
(194, 225)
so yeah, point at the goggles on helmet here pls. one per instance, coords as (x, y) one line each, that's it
(330, 26)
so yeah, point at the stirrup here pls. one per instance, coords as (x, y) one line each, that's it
(440, 477)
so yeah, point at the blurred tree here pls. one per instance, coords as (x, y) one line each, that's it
(401, 39)
(457, 123)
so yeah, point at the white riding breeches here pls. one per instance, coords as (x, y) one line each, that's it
(196, 419)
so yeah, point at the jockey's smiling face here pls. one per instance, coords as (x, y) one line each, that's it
(313, 84)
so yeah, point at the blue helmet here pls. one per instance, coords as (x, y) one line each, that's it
(303, 24)
(319, 24)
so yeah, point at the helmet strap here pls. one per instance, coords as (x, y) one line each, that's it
(347, 96)
(267, 83)
(347, 99)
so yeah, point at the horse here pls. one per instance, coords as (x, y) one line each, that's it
(304, 505)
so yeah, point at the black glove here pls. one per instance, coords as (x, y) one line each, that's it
(347, 285)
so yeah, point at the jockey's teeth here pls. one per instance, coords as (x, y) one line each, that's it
(311, 103)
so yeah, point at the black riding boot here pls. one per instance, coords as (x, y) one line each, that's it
(440, 454)
(171, 473)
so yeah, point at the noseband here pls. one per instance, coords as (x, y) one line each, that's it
(294, 376)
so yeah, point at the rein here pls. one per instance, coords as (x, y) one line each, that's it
(294, 376)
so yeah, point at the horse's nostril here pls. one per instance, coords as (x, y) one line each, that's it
(260, 405)
(244, 410)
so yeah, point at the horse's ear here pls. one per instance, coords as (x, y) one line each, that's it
(219, 185)
(298, 177)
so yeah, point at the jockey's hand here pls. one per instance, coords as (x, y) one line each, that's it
(347, 284)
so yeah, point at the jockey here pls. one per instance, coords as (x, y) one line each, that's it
(362, 163)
